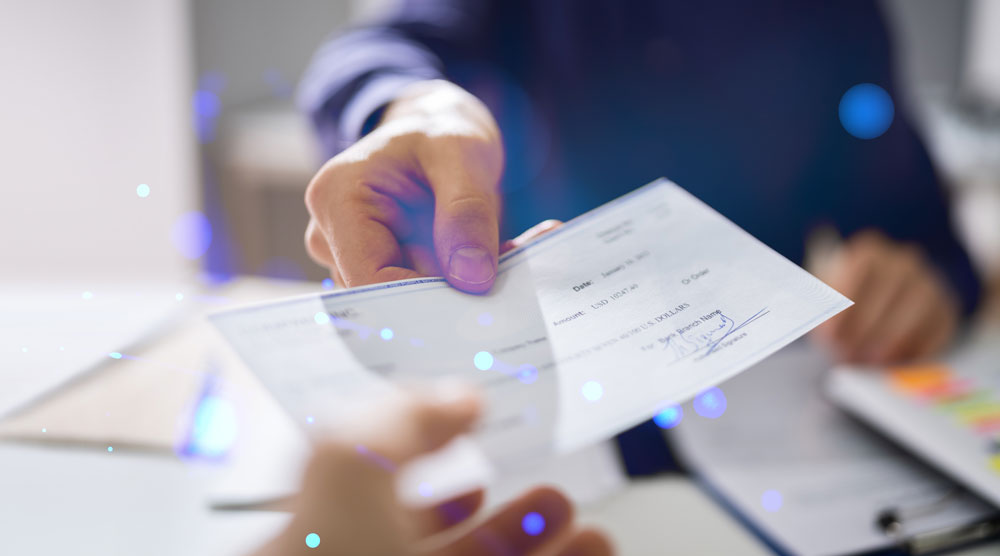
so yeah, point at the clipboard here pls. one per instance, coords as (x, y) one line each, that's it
(842, 489)
(945, 412)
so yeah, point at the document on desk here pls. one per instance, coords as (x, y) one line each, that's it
(641, 303)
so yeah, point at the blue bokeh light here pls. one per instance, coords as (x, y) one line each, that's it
(214, 429)
(711, 403)
(328, 283)
(386, 334)
(322, 318)
(533, 523)
(866, 111)
(87, 295)
(191, 234)
(142, 190)
(110, 449)
(527, 374)
(592, 390)
(669, 417)
(483, 360)
(206, 104)
(771, 500)
(312, 540)
(115, 355)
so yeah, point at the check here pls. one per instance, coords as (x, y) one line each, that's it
(641, 303)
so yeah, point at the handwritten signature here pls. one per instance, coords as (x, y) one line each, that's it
(707, 340)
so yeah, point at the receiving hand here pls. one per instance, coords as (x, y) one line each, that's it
(348, 497)
(418, 196)
(903, 310)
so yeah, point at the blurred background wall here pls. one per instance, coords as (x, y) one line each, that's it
(194, 99)
(94, 101)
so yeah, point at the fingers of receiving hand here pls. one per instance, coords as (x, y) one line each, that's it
(588, 542)
(418, 424)
(447, 514)
(523, 526)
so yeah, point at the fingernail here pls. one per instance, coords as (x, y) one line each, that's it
(472, 265)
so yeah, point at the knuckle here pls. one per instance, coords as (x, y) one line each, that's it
(471, 203)
(338, 174)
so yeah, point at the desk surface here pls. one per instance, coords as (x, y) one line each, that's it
(75, 497)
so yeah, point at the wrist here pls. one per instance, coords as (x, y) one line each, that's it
(442, 108)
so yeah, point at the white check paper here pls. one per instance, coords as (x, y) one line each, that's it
(593, 328)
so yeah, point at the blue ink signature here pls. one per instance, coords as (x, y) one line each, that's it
(708, 340)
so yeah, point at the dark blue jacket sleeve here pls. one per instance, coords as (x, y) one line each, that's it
(357, 72)
(896, 186)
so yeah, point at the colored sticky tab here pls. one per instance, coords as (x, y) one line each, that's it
(920, 380)
(995, 463)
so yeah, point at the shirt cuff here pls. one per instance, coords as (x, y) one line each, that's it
(359, 115)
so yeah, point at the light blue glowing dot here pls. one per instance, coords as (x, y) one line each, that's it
(206, 104)
(328, 284)
(62, 348)
(310, 419)
(483, 360)
(866, 111)
(771, 500)
(142, 190)
(425, 490)
(179, 296)
(213, 429)
(386, 334)
(711, 403)
(669, 417)
(24, 349)
(191, 234)
(87, 295)
(322, 318)
(115, 355)
(527, 374)
(533, 523)
(484, 319)
(44, 430)
(592, 390)
(110, 449)
(312, 540)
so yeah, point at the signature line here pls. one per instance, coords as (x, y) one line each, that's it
(757, 315)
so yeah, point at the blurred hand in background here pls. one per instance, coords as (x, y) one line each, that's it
(903, 310)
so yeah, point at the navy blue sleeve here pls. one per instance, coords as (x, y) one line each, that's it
(889, 182)
(358, 72)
